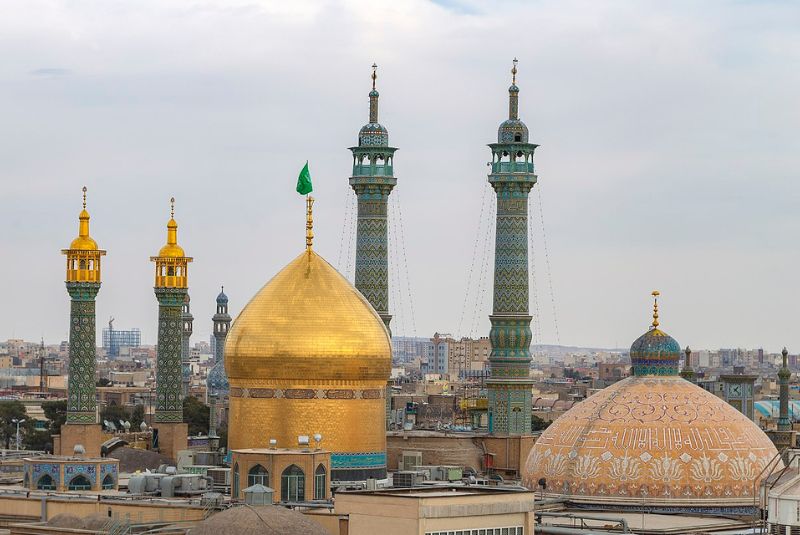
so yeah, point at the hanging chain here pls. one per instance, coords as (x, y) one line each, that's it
(547, 264)
(399, 209)
(468, 289)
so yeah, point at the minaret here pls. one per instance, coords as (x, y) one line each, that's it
(784, 423)
(512, 177)
(688, 372)
(373, 181)
(186, 352)
(83, 283)
(171, 286)
(217, 382)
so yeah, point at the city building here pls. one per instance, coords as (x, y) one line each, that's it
(116, 339)
(296, 474)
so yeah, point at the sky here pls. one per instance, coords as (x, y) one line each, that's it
(668, 158)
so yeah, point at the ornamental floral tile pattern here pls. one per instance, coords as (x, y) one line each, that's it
(658, 437)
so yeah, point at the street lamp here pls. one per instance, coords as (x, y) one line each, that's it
(18, 422)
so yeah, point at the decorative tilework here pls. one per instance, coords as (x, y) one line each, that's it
(81, 397)
(509, 388)
(358, 460)
(73, 470)
(169, 372)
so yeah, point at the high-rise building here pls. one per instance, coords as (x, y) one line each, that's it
(512, 177)
(83, 282)
(116, 339)
(171, 287)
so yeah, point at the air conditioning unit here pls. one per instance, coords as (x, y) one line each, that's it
(221, 477)
(407, 478)
(409, 460)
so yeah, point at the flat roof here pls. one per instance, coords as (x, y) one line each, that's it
(438, 491)
(280, 451)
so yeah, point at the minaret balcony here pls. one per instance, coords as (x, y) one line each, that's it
(373, 170)
(512, 167)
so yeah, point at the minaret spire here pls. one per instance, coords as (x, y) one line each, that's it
(373, 96)
(784, 423)
(513, 94)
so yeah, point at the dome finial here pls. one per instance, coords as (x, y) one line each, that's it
(172, 207)
(84, 197)
(374, 74)
(309, 223)
(514, 72)
(655, 294)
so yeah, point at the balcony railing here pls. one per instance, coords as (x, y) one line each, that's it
(512, 167)
(372, 170)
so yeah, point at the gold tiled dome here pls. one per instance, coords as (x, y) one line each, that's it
(308, 323)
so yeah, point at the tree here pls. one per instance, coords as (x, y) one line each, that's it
(56, 413)
(537, 424)
(103, 382)
(38, 441)
(196, 414)
(137, 417)
(9, 411)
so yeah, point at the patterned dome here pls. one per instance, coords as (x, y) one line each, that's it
(512, 131)
(655, 353)
(653, 438)
(373, 135)
(217, 381)
(222, 299)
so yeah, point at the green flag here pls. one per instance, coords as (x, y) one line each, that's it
(304, 181)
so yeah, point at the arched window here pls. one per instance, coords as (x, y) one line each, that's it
(83, 263)
(258, 475)
(171, 271)
(46, 483)
(320, 489)
(235, 492)
(79, 482)
(108, 482)
(293, 484)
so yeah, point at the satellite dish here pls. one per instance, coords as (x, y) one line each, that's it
(317, 437)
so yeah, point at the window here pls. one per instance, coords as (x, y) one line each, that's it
(516, 530)
(258, 475)
(293, 484)
(79, 482)
(108, 482)
(319, 483)
(235, 492)
(46, 483)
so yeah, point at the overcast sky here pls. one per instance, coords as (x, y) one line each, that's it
(669, 155)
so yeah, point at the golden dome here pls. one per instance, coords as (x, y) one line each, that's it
(308, 323)
(660, 439)
(172, 249)
(83, 242)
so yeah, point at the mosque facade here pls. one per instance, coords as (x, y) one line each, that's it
(653, 441)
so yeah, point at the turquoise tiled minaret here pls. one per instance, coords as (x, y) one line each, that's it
(83, 283)
(186, 351)
(373, 181)
(171, 287)
(512, 177)
(217, 382)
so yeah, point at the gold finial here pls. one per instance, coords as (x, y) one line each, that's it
(655, 294)
(374, 74)
(309, 223)
(172, 207)
(84, 197)
(514, 73)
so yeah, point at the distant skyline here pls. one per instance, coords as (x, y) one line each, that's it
(668, 159)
